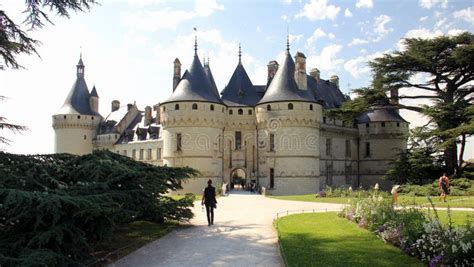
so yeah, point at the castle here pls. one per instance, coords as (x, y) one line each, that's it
(275, 135)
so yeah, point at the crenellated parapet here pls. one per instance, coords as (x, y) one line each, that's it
(76, 121)
(195, 114)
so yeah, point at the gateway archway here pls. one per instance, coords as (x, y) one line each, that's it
(238, 179)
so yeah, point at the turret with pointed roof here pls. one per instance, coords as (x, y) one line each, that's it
(240, 90)
(194, 85)
(283, 86)
(77, 101)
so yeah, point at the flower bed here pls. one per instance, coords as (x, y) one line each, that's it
(414, 232)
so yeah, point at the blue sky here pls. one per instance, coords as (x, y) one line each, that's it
(128, 48)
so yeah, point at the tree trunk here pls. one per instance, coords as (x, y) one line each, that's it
(451, 159)
(461, 153)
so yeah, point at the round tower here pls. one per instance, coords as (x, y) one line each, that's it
(193, 121)
(383, 135)
(75, 124)
(288, 122)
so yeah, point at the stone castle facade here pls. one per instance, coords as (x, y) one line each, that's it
(275, 135)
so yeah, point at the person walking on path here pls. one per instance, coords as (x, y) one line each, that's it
(209, 199)
(443, 185)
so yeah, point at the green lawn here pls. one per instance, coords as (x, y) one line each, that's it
(177, 197)
(324, 239)
(452, 201)
(127, 239)
(458, 218)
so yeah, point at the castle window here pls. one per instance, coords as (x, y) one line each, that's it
(222, 109)
(195, 106)
(148, 154)
(176, 106)
(269, 107)
(92, 117)
(348, 148)
(141, 154)
(164, 108)
(250, 112)
(398, 124)
(238, 140)
(212, 107)
(290, 106)
(311, 107)
(158, 153)
(366, 125)
(240, 111)
(78, 116)
(324, 119)
(85, 137)
(272, 142)
(230, 112)
(178, 142)
(134, 154)
(64, 116)
(367, 149)
(328, 147)
(383, 124)
(272, 178)
(115, 136)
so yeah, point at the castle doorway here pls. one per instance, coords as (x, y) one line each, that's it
(238, 179)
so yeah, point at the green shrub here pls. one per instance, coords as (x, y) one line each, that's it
(54, 207)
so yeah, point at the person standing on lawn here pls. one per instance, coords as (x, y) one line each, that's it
(444, 186)
(209, 199)
(394, 192)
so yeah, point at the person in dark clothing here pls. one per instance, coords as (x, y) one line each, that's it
(209, 199)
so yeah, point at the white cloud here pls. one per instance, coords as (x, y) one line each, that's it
(168, 18)
(317, 34)
(357, 41)
(440, 23)
(284, 17)
(205, 8)
(295, 38)
(418, 33)
(331, 35)
(380, 27)
(364, 4)
(287, 1)
(423, 18)
(347, 13)
(319, 10)
(453, 32)
(327, 60)
(358, 66)
(428, 4)
(466, 14)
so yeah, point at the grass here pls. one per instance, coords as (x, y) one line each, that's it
(453, 201)
(458, 218)
(127, 239)
(178, 197)
(324, 239)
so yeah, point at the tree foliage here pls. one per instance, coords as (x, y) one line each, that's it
(53, 207)
(15, 41)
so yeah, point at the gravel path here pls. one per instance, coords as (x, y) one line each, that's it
(242, 235)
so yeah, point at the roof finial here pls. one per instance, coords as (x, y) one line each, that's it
(288, 38)
(195, 41)
(240, 54)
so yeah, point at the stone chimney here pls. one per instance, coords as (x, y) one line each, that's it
(300, 71)
(335, 80)
(129, 106)
(176, 73)
(156, 108)
(115, 105)
(272, 69)
(315, 73)
(148, 115)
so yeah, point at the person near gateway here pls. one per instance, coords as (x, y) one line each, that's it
(209, 199)
(444, 186)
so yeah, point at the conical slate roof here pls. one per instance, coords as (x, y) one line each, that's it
(381, 114)
(194, 86)
(240, 90)
(94, 92)
(207, 70)
(283, 86)
(77, 101)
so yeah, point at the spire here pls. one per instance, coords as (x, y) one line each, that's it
(288, 43)
(94, 91)
(240, 54)
(80, 67)
(195, 45)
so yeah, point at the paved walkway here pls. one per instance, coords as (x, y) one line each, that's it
(242, 235)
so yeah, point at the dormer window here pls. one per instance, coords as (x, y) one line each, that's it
(195, 106)
(240, 111)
